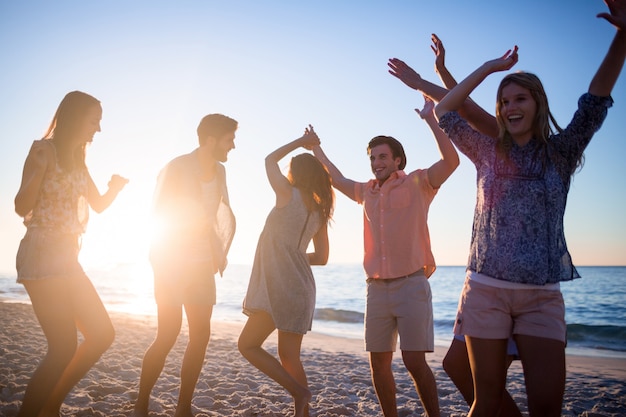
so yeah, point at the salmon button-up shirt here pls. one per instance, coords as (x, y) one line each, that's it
(395, 217)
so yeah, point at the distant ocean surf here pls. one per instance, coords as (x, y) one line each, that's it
(595, 304)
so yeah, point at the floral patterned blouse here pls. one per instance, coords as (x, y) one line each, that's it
(62, 203)
(518, 235)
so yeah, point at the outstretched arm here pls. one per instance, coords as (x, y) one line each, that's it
(440, 62)
(472, 112)
(280, 184)
(412, 79)
(603, 82)
(459, 94)
(439, 172)
(476, 116)
(341, 183)
(99, 202)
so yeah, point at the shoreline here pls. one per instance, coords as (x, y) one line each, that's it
(335, 332)
(337, 369)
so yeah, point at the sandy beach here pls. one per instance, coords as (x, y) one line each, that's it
(337, 369)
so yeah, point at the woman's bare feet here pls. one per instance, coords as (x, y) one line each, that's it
(301, 403)
(137, 412)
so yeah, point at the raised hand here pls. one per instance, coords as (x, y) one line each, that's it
(505, 62)
(617, 15)
(310, 138)
(440, 53)
(404, 73)
(427, 111)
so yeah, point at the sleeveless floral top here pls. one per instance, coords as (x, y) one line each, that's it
(62, 202)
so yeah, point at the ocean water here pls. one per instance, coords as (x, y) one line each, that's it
(595, 304)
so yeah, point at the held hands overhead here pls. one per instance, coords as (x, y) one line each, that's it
(310, 138)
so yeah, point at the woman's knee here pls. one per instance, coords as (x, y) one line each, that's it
(62, 353)
(200, 339)
(102, 340)
(164, 342)
(451, 367)
(245, 347)
(107, 338)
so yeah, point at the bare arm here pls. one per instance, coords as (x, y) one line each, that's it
(341, 183)
(470, 111)
(440, 62)
(459, 94)
(439, 172)
(283, 189)
(322, 247)
(412, 79)
(476, 116)
(35, 167)
(280, 184)
(605, 78)
(99, 202)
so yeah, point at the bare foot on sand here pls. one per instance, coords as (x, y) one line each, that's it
(301, 403)
(139, 413)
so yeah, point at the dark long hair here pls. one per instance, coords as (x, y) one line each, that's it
(308, 175)
(65, 125)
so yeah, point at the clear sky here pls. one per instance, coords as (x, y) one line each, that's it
(275, 66)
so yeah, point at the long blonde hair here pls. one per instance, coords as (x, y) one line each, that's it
(65, 125)
(544, 124)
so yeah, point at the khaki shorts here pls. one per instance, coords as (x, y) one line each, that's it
(497, 313)
(187, 284)
(399, 307)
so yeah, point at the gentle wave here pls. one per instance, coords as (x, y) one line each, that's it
(611, 338)
(340, 316)
(597, 337)
(596, 313)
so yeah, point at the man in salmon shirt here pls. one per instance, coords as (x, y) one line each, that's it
(398, 259)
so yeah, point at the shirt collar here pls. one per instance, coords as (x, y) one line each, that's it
(393, 176)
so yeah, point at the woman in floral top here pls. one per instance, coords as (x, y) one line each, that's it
(54, 199)
(518, 254)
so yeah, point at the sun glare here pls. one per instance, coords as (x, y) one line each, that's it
(114, 254)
